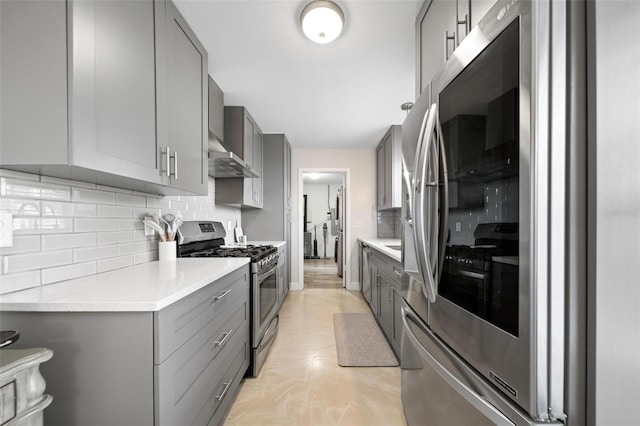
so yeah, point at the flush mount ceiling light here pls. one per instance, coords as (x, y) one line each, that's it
(322, 21)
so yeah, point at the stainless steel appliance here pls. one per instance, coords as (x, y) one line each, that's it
(206, 239)
(478, 314)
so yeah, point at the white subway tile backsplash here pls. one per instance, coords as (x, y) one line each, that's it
(61, 273)
(94, 253)
(64, 241)
(82, 195)
(148, 256)
(115, 237)
(131, 248)
(15, 188)
(115, 263)
(115, 211)
(19, 281)
(66, 229)
(38, 260)
(19, 175)
(24, 225)
(95, 225)
(22, 244)
(57, 208)
(112, 189)
(130, 224)
(20, 207)
(131, 200)
(49, 179)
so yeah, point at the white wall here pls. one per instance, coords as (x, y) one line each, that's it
(361, 219)
(66, 229)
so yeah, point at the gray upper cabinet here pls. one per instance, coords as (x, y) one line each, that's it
(441, 26)
(183, 103)
(81, 83)
(216, 110)
(389, 169)
(276, 211)
(243, 137)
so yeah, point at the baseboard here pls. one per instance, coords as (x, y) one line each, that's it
(355, 285)
(293, 286)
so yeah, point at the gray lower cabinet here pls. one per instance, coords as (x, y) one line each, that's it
(385, 298)
(180, 365)
(81, 83)
(273, 222)
(244, 138)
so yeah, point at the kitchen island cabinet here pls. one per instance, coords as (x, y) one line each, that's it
(155, 344)
(122, 101)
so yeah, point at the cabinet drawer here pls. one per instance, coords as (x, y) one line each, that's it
(391, 268)
(177, 323)
(188, 378)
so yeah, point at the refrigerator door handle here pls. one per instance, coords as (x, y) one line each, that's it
(420, 238)
(478, 401)
(444, 215)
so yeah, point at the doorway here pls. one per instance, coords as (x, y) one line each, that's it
(323, 228)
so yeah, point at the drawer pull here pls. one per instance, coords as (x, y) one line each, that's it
(221, 296)
(397, 271)
(224, 391)
(225, 336)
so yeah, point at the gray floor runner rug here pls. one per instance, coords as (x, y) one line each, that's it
(360, 342)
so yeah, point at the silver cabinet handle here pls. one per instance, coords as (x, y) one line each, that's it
(175, 164)
(225, 336)
(448, 38)
(397, 271)
(221, 296)
(168, 162)
(224, 391)
(464, 22)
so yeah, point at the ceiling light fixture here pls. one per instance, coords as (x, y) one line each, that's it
(322, 21)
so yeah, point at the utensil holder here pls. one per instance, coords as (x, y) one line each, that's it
(167, 251)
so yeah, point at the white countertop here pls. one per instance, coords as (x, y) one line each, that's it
(145, 287)
(381, 244)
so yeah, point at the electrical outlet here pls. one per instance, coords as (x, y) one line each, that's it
(458, 226)
(6, 230)
(229, 225)
(148, 231)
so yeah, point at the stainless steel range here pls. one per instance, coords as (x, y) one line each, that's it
(206, 239)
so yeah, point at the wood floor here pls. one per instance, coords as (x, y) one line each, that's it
(321, 273)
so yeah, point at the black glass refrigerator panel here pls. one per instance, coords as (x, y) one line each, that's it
(479, 121)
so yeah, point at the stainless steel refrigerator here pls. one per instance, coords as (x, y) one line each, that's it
(487, 225)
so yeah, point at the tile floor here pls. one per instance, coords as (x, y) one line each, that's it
(301, 382)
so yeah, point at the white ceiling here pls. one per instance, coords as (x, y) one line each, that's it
(344, 94)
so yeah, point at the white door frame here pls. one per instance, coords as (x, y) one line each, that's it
(346, 267)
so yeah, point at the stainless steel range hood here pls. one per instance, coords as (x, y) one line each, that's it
(228, 165)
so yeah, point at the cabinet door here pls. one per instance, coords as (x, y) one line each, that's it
(479, 8)
(185, 93)
(113, 87)
(433, 26)
(375, 288)
(380, 178)
(385, 303)
(248, 194)
(257, 166)
(396, 320)
(287, 175)
(388, 172)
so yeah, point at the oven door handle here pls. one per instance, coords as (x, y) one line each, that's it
(261, 275)
(468, 274)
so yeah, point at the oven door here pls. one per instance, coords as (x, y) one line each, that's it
(481, 146)
(265, 302)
